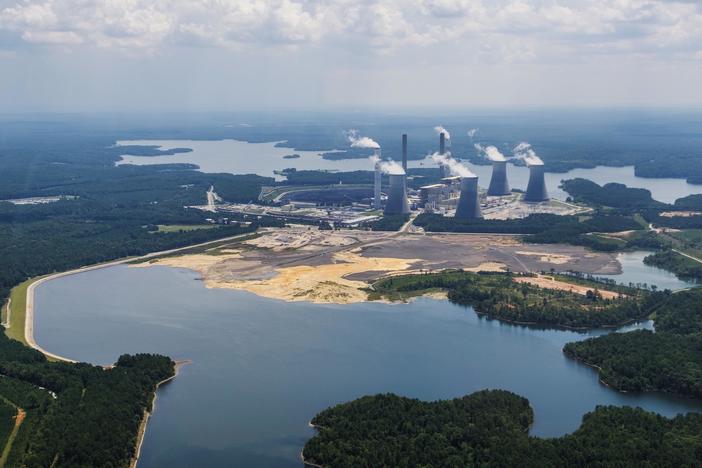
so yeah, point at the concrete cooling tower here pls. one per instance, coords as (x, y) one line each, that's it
(498, 182)
(469, 203)
(397, 196)
(536, 189)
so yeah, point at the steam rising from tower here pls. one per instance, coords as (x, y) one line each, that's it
(498, 183)
(469, 203)
(536, 189)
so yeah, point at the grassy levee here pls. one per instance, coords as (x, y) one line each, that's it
(18, 311)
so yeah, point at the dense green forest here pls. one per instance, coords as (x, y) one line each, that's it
(490, 428)
(77, 414)
(541, 228)
(612, 195)
(499, 296)
(670, 260)
(668, 360)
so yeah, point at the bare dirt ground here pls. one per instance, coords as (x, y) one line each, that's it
(547, 282)
(298, 264)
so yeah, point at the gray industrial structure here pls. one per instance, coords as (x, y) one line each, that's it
(404, 152)
(397, 196)
(536, 189)
(498, 182)
(378, 176)
(445, 170)
(469, 202)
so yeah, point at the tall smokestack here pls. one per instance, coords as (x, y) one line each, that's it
(442, 143)
(377, 186)
(536, 189)
(404, 151)
(469, 203)
(397, 195)
(498, 182)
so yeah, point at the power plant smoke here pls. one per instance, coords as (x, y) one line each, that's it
(387, 167)
(525, 152)
(358, 141)
(455, 167)
(439, 130)
(490, 152)
(472, 132)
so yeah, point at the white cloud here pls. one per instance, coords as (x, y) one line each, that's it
(497, 30)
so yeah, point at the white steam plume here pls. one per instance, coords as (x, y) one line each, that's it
(490, 152)
(387, 167)
(525, 152)
(456, 168)
(439, 130)
(472, 132)
(358, 141)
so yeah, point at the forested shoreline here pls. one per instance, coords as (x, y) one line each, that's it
(499, 296)
(77, 414)
(669, 360)
(490, 428)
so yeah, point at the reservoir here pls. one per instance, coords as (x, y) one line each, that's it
(262, 368)
(240, 157)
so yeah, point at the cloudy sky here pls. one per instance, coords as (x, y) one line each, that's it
(77, 55)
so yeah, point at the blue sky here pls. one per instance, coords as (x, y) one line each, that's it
(102, 55)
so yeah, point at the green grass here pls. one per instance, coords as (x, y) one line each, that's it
(18, 306)
(184, 227)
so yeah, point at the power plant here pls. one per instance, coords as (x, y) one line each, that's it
(498, 182)
(469, 202)
(352, 203)
(397, 196)
(536, 189)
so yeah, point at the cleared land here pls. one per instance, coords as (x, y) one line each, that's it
(548, 282)
(302, 264)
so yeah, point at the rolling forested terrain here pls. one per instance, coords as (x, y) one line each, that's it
(499, 296)
(490, 428)
(76, 414)
(668, 360)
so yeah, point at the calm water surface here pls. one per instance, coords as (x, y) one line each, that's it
(263, 368)
(240, 157)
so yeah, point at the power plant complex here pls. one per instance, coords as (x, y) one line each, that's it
(455, 193)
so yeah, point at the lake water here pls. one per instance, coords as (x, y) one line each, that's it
(240, 157)
(263, 368)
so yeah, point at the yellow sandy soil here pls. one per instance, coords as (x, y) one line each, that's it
(547, 282)
(557, 259)
(320, 284)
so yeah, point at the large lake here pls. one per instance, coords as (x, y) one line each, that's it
(261, 369)
(240, 157)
